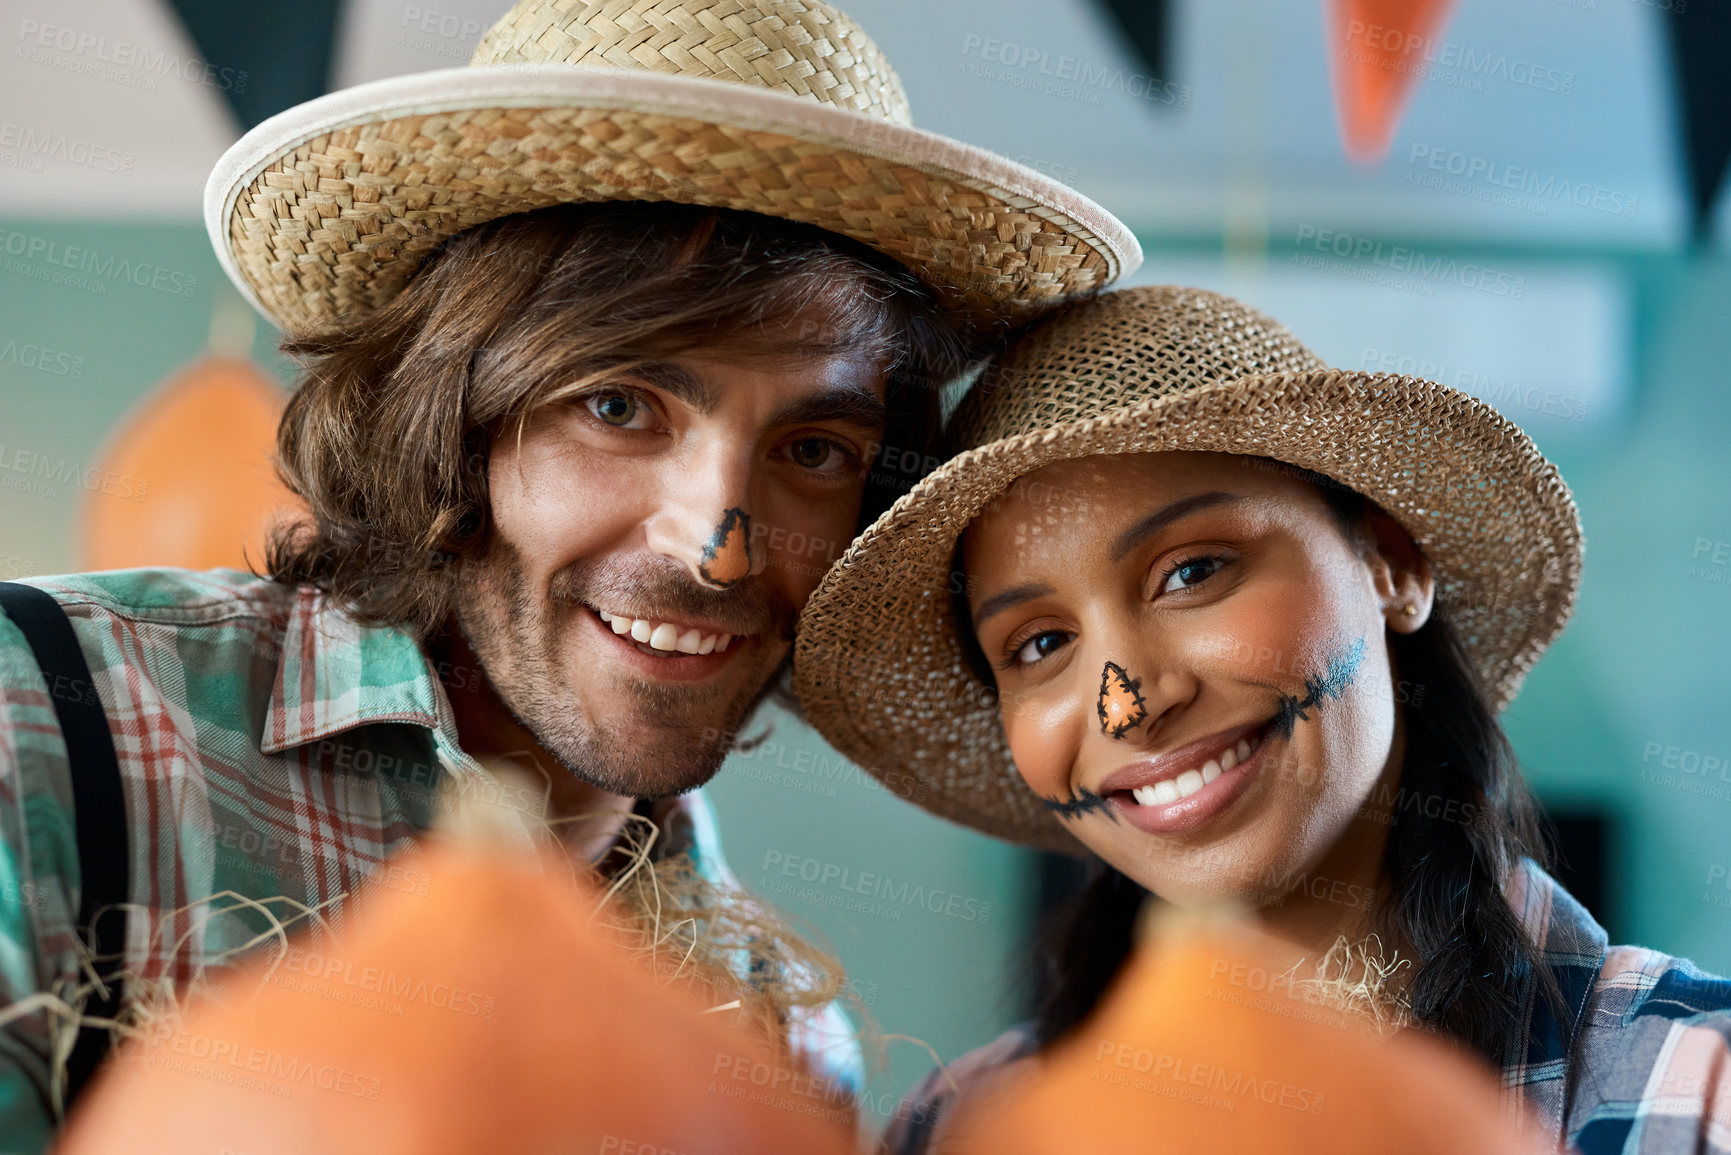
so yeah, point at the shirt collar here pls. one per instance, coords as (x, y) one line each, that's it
(1571, 944)
(335, 673)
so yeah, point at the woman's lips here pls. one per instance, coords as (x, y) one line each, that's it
(1193, 810)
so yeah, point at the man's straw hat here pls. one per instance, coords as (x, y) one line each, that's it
(877, 665)
(782, 107)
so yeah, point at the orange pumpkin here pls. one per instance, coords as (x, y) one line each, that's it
(1199, 1048)
(471, 1010)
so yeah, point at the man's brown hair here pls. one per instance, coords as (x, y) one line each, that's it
(387, 437)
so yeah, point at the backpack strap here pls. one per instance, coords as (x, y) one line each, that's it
(98, 805)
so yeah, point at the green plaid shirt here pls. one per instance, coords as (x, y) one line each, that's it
(268, 744)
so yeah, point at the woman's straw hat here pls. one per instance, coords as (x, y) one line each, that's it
(877, 665)
(782, 107)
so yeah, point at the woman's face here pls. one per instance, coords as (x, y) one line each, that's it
(1191, 654)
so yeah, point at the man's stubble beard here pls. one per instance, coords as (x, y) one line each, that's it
(654, 749)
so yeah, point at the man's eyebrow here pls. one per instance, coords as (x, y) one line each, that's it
(678, 382)
(1165, 516)
(1014, 596)
(855, 406)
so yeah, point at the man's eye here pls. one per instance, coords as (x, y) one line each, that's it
(1041, 646)
(1191, 572)
(624, 410)
(816, 453)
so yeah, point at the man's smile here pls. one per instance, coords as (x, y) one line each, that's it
(667, 636)
(668, 650)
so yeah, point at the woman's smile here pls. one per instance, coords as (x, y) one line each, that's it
(1182, 790)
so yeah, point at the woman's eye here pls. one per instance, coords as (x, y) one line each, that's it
(1189, 573)
(818, 454)
(621, 409)
(1041, 646)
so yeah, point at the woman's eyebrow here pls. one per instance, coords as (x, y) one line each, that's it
(1014, 596)
(1165, 516)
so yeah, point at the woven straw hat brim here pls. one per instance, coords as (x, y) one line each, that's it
(327, 209)
(881, 676)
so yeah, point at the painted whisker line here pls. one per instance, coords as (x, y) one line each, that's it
(1342, 668)
(1079, 804)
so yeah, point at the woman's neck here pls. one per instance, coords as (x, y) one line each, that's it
(1338, 896)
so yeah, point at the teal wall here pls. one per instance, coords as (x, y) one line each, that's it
(1646, 662)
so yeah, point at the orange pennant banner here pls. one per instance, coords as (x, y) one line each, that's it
(1378, 48)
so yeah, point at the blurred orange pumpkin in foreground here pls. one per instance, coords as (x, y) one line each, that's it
(473, 1011)
(1202, 1047)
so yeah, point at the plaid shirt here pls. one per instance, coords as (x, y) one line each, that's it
(268, 744)
(1650, 1072)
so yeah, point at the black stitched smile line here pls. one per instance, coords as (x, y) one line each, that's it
(1079, 804)
(1342, 668)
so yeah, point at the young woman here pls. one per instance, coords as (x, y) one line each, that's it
(1237, 624)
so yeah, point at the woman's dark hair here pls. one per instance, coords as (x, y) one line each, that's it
(1476, 963)
(387, 438)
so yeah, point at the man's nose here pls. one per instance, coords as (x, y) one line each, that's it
(707, 527)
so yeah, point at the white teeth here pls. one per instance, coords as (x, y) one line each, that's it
(1227, 761)
(665, 635)
(1165, 792)
(1144, 795)
(1188, 783)
(1243, 749)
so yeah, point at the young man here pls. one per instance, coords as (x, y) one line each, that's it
(572, 470)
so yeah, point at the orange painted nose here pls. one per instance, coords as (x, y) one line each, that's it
(1120, 706)
(727, 557)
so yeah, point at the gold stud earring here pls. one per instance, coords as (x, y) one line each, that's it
(1409, 610)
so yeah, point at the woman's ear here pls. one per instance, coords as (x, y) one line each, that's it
(1399, 571)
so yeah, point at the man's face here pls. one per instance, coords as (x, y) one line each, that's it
(653, 541)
